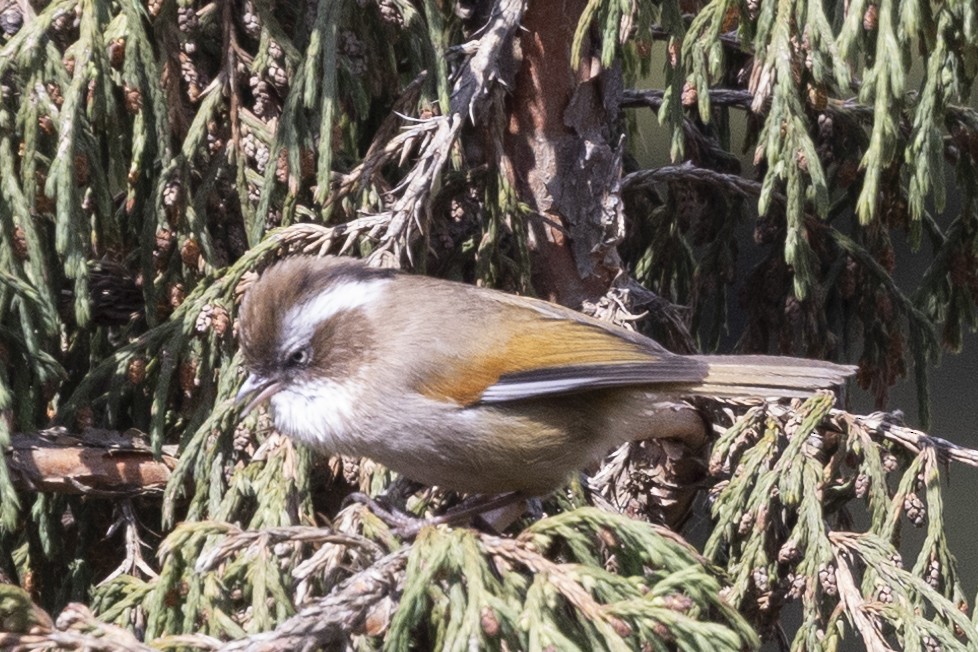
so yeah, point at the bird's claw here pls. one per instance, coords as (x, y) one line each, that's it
(402, 524)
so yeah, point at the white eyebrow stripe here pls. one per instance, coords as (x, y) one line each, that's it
(341, 297)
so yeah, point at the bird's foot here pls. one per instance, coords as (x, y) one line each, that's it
(398, 520)
(494, 512)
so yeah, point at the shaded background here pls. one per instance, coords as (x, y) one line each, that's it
(953, 383)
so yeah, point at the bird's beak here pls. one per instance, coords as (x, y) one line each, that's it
(257, 387)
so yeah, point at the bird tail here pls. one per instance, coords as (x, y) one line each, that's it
(766, 375)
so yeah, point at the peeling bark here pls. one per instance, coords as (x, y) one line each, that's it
(565, 165)
(95, 462)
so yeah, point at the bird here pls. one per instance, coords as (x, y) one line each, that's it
(468, 388)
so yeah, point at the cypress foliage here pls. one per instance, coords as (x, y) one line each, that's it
(155, 155)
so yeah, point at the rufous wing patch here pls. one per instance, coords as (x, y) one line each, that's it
(537, 344)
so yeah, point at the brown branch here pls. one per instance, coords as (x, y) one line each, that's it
(632, 98)
(743, 98)
(95, 462)
(689, 173)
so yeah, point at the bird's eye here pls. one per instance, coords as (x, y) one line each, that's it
(299, 358)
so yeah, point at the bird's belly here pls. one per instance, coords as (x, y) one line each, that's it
(489, 449)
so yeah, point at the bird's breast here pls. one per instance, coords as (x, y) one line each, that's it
(325, 414)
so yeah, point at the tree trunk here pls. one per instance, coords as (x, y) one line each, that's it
(566, 166)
